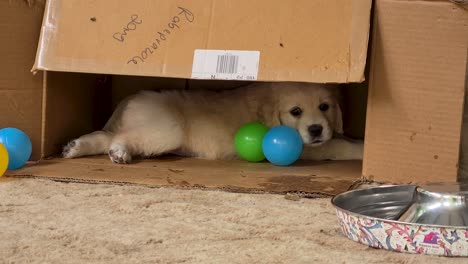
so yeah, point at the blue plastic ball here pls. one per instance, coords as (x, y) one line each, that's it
(282, 145)
(18, 145)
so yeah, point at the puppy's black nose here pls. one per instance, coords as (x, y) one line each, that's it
(315, 130)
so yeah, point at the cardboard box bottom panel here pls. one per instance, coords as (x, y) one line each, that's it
(319, 178)
(76, 104)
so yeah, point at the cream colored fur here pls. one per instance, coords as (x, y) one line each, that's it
(203, 123)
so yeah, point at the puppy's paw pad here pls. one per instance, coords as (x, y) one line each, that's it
(119, 156)
(72, 149)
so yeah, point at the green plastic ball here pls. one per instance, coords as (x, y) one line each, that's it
(248, 141)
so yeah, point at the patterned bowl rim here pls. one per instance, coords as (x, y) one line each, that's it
(333, 202)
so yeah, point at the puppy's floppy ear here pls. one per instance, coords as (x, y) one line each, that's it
(271, 114)
(338, 119)
(268, 107)
(336, 91)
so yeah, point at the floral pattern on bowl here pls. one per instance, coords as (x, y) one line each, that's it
(419, 239)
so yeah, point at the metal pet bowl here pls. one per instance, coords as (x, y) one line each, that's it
(407, 218)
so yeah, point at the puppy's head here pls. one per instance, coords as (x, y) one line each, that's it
(312, 109)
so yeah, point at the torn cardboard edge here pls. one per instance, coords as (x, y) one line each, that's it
(301, 194)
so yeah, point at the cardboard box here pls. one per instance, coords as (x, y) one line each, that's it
(20, 91)
(313, 41)
(416, 92)
(418, 52)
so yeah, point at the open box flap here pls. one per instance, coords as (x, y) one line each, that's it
(416, 91)
(313, 41)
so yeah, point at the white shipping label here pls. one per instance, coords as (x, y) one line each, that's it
(225, 64)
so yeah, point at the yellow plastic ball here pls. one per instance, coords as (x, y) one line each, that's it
(3, 159)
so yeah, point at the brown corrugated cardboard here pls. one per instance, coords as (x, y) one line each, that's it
(20, 91)
(315, 41)
(308, 177)
(70, 108)
(416, 91)
(123, 86)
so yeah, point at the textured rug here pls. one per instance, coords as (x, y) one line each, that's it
(43, 221)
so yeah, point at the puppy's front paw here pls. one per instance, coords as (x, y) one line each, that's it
(119, 156)
(71, 150)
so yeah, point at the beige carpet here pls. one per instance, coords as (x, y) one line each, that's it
(49, 222)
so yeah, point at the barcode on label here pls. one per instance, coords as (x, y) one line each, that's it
(227, 64)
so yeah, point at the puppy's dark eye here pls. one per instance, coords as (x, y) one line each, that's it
(324, 107)
(296, 111)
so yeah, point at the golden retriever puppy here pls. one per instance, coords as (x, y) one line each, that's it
(203, 123)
